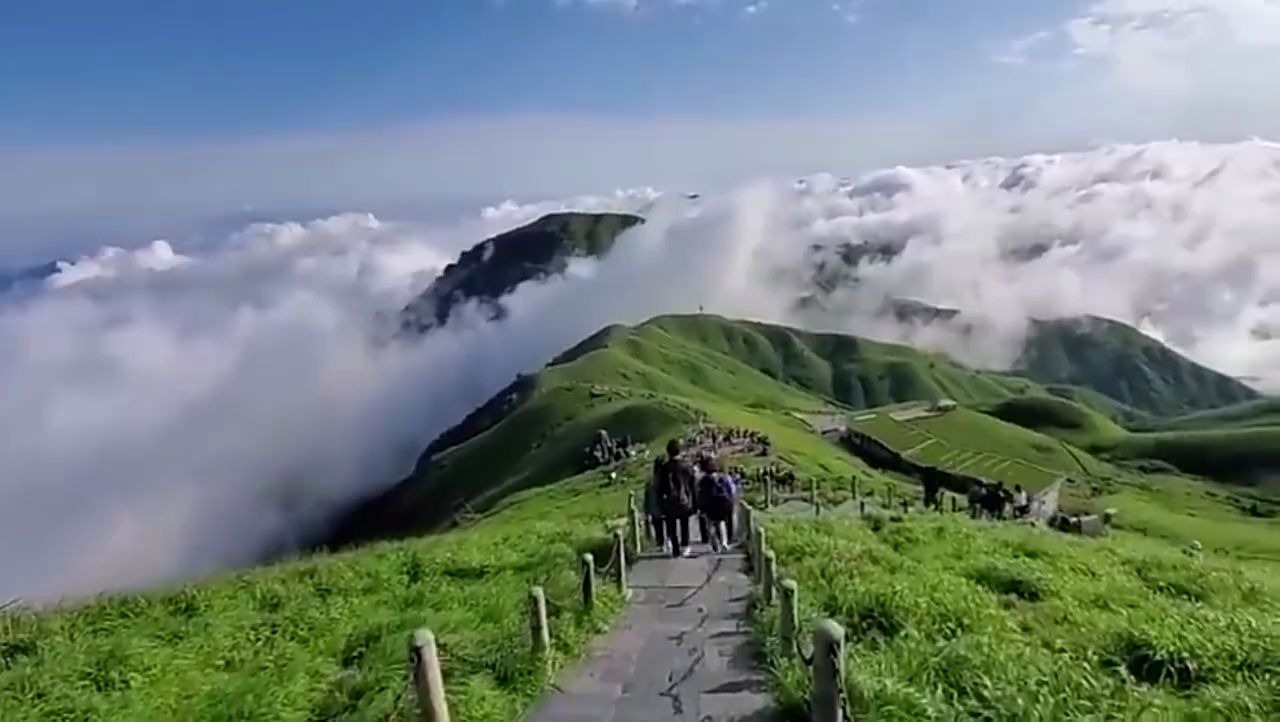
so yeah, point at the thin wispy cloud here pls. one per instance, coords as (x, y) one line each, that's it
(1168, 47)
(1016, 53)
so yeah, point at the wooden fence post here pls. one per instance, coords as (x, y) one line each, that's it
(428, 682)
(637, 540)
(770, 576)
(622, 564)
(906, 505)
(862, 507)
(588, 581)
(955, 503)
(539, 632)
(768, 493)
(813, 497)
(853, 487)
(757, 553)
(788, 615)
(828, 672)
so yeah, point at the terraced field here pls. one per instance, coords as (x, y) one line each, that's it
(967, 441)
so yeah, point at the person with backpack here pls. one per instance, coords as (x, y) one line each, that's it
(676, 498)
(716, 495)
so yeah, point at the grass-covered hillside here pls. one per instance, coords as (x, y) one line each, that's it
(324, 638)
(953, 619)
(950, 618)
(1124, 365)
(965, 440)
(644, 381)
(1244, 448)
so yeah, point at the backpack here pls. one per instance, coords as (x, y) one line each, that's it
(722, 489)
(675, 486)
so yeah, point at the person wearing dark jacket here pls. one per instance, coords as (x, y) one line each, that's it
(652, 510)
(676, 498)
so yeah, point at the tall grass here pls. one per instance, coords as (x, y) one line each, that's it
(949, 618)
(324, 638)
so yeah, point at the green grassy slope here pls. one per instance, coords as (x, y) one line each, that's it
(1125, 365)
(952, 619)
(644, 382)
(323, 638)
(967, 441)
(1239, 451)
(1263, 412)
(1059, 417)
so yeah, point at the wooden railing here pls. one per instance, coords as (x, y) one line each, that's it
(425, 673)
(827, 701)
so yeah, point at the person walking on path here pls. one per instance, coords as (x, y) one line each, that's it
(676, 498)
(652, 510)
(715, 500)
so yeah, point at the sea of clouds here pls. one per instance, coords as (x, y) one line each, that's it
(167, 414)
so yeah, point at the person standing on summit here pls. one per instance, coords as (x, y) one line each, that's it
(676, 498)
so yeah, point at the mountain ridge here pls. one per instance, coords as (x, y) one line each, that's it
(634, 380)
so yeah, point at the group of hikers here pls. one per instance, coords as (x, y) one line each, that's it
(605, 450)
(745, 439)
(995, 501)
(682, 488)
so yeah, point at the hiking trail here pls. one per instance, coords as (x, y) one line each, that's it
(683, 651)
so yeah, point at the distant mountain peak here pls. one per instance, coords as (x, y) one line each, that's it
(495, 267)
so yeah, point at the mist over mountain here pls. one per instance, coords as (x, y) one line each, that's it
(170, 413)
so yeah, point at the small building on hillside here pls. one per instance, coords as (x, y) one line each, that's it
(944, 405)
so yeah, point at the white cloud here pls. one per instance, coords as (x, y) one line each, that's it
(1182, 49)
(164, 419)
(1016, 52)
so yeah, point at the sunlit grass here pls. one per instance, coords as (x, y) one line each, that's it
(949, 618)
(324, 638)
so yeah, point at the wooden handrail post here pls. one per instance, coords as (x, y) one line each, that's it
(634, 515)
(768, 493)
(428, 681)
(828, 672)
(758, 539)
(862, 507)
(813, 497)
(788, 615)
(588, 581)
(853, 487)
(770, 576)
(623, 590)
(539, 632)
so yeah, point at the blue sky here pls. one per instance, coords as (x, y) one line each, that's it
(117, 115)
(144, 70)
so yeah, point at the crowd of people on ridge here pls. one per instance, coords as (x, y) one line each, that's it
(716, 438)
(605, 450)
(996, 501)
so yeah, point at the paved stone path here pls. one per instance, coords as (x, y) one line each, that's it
(682, 653)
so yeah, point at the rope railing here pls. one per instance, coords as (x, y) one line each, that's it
(825, 658)
(426, 675)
